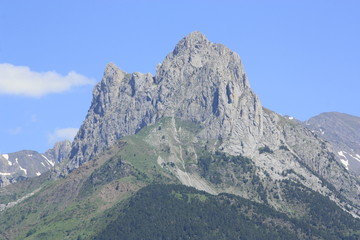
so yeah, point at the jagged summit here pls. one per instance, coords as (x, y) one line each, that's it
(111, 74)
(199, 81)
(205, 83)
(194, 40)
(196, 35)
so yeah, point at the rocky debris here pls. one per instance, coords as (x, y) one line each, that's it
(12, 204)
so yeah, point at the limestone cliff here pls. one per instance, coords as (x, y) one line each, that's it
(199, 81)
(205, 83)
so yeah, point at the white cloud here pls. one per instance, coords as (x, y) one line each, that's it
(62, 134)
(20, 80)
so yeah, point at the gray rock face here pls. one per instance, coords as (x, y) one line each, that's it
(59, 152)
(20, 165)
(199, 81)
(205, 83)
(343, 132)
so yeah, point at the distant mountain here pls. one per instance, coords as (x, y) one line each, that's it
(17, 166)
(343, 132)
(197, 123)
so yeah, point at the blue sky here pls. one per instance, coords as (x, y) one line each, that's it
(302, 57)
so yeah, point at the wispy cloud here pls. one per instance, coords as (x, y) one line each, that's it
(62, 134)
(34, 118)
(20, 80)
(15, 131)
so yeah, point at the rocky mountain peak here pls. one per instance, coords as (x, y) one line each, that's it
(198, 81)
(193, 41)
(203, 125)
(112, 74)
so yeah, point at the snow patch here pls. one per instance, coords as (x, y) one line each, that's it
(43, 164)
(344, 161)
(29, 155)
(50, 162)
(341, 154)
(291, 118)
(5, 174)
(38, 173)
(22, 169)
(6, 156)
(356, 157)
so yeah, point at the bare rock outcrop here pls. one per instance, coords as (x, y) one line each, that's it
(199, 81)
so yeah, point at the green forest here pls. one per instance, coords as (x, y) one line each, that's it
(180, 212)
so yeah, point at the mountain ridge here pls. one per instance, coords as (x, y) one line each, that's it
(205, 83)
(196, 123)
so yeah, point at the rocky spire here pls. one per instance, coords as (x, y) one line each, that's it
(205, 83)
(198, 81)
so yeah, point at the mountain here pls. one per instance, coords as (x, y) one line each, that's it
(195, 123)
(199, 81)
(23, 164)
(343, 132)
(205, 84)
(125, 194)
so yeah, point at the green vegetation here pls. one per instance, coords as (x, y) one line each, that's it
(180, 212)
(232, 171)
(283, 147)
(323, 216)
(125, 194)
(214, 166)
(265, 149)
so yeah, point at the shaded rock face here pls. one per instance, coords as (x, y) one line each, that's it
(199, 81)
(343, 132)
(59, 152)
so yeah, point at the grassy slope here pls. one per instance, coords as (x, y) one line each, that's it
(73, 207)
